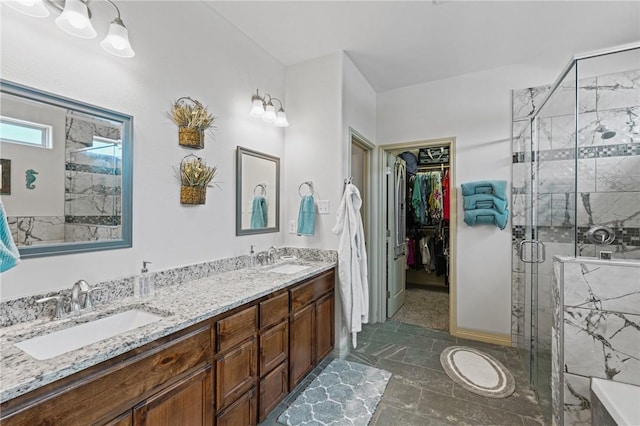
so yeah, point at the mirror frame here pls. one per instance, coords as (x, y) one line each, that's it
(37, 95)
(240, 152)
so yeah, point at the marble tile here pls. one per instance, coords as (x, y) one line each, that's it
(527, 101)
(519, 209)
(521, 136)
(563, 131)
(557, 349)
(587, 94)
(562, 101)
(563, 209)
(602, 287)
(543, 134)
(616, 209)
(560, 177)
(80, 232)
(34, 230)
(90, 205)
(517, 265)
(617, 174)
(602, 344)
(619, 90)
(543, 209)
(577, 400)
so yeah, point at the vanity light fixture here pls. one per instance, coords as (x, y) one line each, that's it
(75, 19)
(262, 106)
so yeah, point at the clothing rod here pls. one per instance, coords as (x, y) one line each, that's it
(434, 167)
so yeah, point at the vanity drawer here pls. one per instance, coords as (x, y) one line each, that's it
(235, 328)
(274, 310)
(311, 290)
(107, 393)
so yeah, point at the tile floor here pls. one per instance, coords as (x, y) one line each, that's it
(419, 392)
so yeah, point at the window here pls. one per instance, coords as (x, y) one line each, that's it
(24, 132)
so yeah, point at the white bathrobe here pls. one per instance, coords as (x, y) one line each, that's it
(352, 262)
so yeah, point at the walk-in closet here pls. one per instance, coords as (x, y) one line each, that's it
(427, 234)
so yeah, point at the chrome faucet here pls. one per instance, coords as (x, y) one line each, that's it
(271, 254)
(80, 287)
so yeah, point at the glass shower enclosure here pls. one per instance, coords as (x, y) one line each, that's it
(576, 187)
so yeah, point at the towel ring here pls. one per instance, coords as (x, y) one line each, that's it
(263, 189)
(309, 184)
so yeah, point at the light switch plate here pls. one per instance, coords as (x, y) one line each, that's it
(323, 206)
(292, 227)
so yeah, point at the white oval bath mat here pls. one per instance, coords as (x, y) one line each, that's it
(477, 372)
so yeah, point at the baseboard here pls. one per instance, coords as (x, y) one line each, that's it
(483, 336)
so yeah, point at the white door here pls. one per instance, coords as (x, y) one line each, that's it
(396, 233)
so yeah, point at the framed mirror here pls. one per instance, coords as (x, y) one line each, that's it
(257, 192)
(71, 173)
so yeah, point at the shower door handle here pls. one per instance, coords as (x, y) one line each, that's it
(540, 254)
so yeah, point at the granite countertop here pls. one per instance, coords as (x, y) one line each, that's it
(179, 305)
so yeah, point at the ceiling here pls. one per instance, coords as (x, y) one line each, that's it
(400, 43)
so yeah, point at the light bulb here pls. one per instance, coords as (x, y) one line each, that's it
(33, 8)
(117, 40)
(74, 19)
(269, 113)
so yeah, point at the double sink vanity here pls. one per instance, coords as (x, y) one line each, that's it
(224, 349)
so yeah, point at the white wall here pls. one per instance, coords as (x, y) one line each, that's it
(476, 109)
(220, 67)
(326, 97)
(313, 145)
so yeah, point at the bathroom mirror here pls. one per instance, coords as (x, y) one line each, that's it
(71, 173)
(257, 192)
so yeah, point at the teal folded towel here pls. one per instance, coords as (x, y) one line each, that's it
(9, 254)
(495, 187)
(307, 216)
(484, 201)
(486, 217)
(259, 212)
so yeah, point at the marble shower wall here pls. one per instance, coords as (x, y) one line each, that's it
(607, 176)
(93, 184)
(596, 331)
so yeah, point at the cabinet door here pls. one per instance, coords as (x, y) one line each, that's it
(187, 402)
(240, 413)
(273, 388)
(274, 346)
(301, 344)
(236, 373)
(324, 326)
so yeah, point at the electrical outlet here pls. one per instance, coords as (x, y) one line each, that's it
(292, 227)
(323, 206)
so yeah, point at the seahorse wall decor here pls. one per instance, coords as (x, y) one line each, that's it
(31, 177)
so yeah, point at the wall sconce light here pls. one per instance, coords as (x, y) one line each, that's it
(75, 19)
(262, 106)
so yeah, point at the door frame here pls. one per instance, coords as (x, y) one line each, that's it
(371, 199)
(378, 249)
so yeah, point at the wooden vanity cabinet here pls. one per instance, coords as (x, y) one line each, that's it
(168, 372)
(237, 368)
(311, 325)
(230, 370)
(274, 352)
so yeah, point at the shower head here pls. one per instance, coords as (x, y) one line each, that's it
(606, 133)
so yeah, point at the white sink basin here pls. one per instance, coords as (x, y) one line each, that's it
(288, 269)
(62, 341)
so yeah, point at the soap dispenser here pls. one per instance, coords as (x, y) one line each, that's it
(252, 258)
(143, 286)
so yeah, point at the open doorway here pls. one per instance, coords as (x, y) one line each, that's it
(423, 271)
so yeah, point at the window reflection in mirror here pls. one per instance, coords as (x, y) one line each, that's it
(75, 194)
(257, 192)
